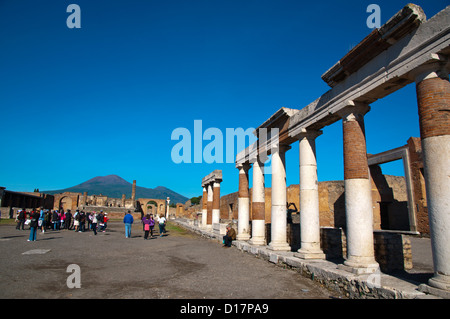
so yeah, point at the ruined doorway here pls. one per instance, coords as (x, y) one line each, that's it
(65, 203)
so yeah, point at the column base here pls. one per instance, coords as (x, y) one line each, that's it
(257, 241)
(279, 246)
(359, 268)
(309, 254)
(243, 237)
(440, 281)
(434, 291)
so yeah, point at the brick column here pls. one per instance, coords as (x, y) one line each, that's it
(209, 206)
(204, 207)
(278, 211)
(433, 99)
(309, 198)
(133, 193)
(216, 202)
(243, 203)
(258, 205)
(358, 193)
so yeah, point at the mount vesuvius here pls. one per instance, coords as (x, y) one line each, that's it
(114, 186)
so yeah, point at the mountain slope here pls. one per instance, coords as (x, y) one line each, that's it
(114, 186)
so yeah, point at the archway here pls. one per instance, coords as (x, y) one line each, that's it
(65, 203)
(151, 207)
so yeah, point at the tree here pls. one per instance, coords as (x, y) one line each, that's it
(195, 200)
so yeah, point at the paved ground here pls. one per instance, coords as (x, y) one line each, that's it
(179, 265)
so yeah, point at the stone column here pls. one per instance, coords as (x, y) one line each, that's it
(433, 97)
(358, 193)
(216, 203)
(209, 206)
(167, 207)
(204, 207)
(309, 198)
(133, 193)
(278, 211)
(123, 200)
(243, 203)
(258, 205)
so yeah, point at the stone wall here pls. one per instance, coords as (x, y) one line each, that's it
(388, 194)
(392, 250)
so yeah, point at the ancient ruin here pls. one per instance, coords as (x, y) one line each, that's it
(11, 202)
(407, 49)
(211, 200)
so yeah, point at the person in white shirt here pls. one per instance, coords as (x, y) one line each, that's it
(162, 225)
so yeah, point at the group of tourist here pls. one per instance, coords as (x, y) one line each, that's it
(148, 223)
(47, 219)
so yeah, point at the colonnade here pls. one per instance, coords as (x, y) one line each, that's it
(433, 93)
(426, 63)
(211, 199)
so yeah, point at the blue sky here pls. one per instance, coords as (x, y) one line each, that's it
(105, 98)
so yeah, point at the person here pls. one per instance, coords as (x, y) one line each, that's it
(89, 219)
(41, 221)
(105, 222)
(146, 222)
(27, 221)
(128, 221)
(152, 224)
(82, 227)
(21, 216)
(76, 220)
(33, 225)
(62, 219)
(162, 225)
(55, 219)
(68, 222)
(94, 222)
(100, 220)
(229, 237)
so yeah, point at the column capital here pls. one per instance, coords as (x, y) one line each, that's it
(309, 134)
(438, 69)
(353, 111)
(244, 167)
(282, 148)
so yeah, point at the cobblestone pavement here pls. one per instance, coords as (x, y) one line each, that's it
(179, 265)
